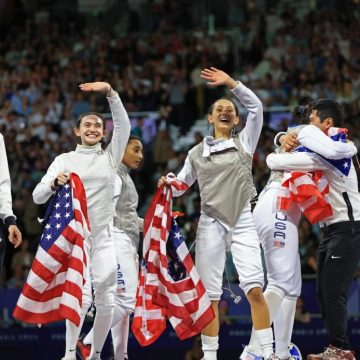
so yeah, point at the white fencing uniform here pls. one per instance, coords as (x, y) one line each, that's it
(223, 170)
(97, 170)
(339, 250)
(125, 231)
(278, 232)
(127, 226)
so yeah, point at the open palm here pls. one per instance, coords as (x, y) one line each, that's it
(95, 86)
(215, 76)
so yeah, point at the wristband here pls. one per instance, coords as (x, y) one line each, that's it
(10, 220)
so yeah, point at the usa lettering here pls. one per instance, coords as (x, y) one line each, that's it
(120, 276)
(280, 226)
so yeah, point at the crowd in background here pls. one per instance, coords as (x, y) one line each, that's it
(285, 56)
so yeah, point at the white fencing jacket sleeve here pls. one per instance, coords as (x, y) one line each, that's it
(293, 161)
(122, 128)
(316, 140)
(250, 135)
(6, 213)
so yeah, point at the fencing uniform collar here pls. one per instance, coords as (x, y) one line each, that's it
(212, 145)
(89, 149)
(124, 168)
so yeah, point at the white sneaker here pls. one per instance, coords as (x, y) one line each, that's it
(248, 355)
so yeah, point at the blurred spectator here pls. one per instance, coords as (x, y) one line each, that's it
(195, 352)
(283, 51)
(300, 314)
(162, 146)
(17, 281)
(224, 312)
(308, 243)
(23, 258)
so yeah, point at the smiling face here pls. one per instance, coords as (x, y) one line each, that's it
(133, 154)
(324, 125)
(223, 117)
(91, 130)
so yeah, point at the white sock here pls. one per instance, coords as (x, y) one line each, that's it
(120, 335)
(274, 298)
(265, 337)
(254, 344)
(101, 327)
(210, 345)
(283, 327)
(72, 335)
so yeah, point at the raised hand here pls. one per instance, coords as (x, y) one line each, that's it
(99, 86)
(217, 77)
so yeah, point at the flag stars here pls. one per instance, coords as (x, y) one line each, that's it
(57, 216)
(67, 215)
(48, 237)
(177, 235)
(57, 205)
(67, 205)
(67, 195)
(346, 165)
(66, 186)
(58, 226)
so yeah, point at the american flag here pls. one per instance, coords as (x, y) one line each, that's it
(310, 190)
(53, 290)
(169, 283)
(339, 167)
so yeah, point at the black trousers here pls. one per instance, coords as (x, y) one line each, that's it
(3, 239)
(337, 261)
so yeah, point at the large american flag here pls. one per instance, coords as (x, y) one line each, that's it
(169, 284)
(53, 290)
(309, 191)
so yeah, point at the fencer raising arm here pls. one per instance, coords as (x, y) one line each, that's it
(57, 173)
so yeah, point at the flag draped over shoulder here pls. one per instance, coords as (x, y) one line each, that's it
(169, 283)
(309, 190)
(53, 290)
